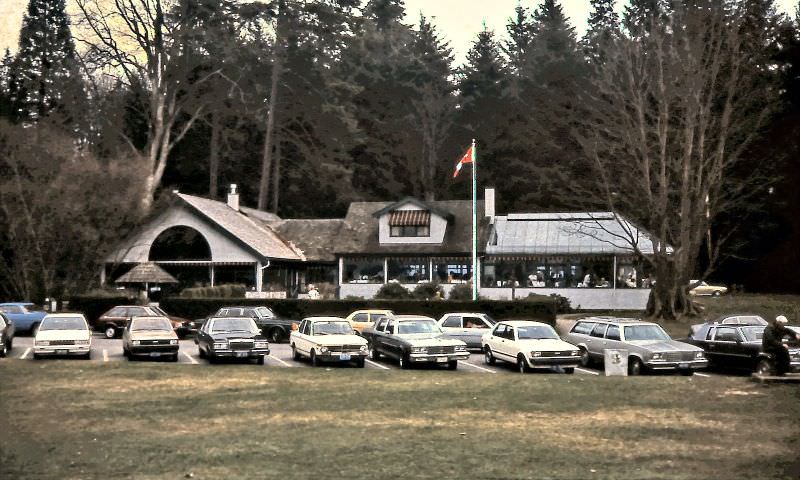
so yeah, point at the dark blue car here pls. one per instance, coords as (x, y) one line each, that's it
(26, 316)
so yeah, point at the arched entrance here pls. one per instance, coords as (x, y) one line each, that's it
(176, 249)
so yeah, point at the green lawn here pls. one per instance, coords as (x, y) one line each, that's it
(74, 419)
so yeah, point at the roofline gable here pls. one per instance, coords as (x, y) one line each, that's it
(414, 201)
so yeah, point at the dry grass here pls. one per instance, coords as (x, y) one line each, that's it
(68, 419)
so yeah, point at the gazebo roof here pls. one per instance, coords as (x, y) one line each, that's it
(147, 273)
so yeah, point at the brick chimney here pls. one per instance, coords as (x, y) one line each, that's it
(488, 202)
(233, 198)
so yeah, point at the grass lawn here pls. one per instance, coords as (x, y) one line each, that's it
(74, 419)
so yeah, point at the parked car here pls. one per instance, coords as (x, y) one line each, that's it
(275, 328)
(703, 288)
(330, 339)
(113, 322)
(649, 346)
(467, 327)
(737, 347)
(231, 337)
(733, 319)
(361, 319)
(413, 339)
(152, 337)
(63, 334)
(26, 316)
(529, 345)
(6, 334)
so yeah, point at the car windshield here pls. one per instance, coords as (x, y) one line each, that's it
(752, 320)
(233, 325)
(63, 323)
(489, 319)
(752, 334)
(150, 324)
(536, 332)
(333, 327)
(645, 332)
(158, 311)
(264, 312)
(418, 326)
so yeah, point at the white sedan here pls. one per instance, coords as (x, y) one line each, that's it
(328, 339)
(529, 345)
(63, 334)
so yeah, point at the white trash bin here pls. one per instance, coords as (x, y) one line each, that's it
(616, 362)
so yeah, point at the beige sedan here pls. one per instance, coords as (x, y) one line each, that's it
(703, 288)
(151, 337)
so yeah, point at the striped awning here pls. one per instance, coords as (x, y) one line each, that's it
(400, 218)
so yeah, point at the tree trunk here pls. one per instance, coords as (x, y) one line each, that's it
(266, 165)
(669, 297)
(213, 157)
(276, 177)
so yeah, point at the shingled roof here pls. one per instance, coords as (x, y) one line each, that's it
(316, 238)
(252, 232)
(147, 272)
(360, 236)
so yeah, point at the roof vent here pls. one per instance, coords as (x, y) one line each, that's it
(233, 198)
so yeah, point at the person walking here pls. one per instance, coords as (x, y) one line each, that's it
(772, 343)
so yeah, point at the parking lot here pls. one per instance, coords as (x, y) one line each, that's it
(105, 350)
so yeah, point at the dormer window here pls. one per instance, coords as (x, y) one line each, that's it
(410, 223)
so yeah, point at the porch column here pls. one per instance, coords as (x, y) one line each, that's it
(430, 270)
(385, 270)
(341, 270)
(476, 276)
(103, 275)
(259, 277)
(211, 273)
(614, 284)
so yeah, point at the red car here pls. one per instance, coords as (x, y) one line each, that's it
(113, 321)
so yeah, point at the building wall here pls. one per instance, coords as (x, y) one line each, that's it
(437, 229)
(223, 248)
(368, 290)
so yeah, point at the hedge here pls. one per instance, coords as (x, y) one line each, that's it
(540, 309)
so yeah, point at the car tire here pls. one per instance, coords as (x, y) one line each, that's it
(36, 356)
(687, 372)
(488, 356)
(260, 360)
(716, 294)
(635, 366)
(4, 350)
(522, 365)
(110, 332)
(34, 329)
(10, 344)
(313, 357)
(87, 356)
(405, 362)
(275, 335)
(569, 370)
(200, 353)
(211, 358)
(374, 353)
(452, 365)
(295, 353)
(586, 359)
(125, 353)
(361, 362)
(764, 368)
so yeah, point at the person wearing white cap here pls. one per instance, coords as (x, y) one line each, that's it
(772, 343)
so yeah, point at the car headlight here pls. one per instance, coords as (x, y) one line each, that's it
(261, 345)
(43, 343)
(136, 342)
(363, 348)
(657, 356)
(419, 349)
(173, 342)
(220, 345)
(323, 349)
(575, 353)
(536, 354)
(699, 355)
(461, 348)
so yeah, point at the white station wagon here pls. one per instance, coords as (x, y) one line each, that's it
(529, 345)
(63, 334)
(328, 339)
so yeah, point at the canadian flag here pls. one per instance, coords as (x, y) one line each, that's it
(467, 158)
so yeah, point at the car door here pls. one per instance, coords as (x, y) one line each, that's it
(594, 342)
(452, 327)
(126, 335)
(204, 339)
(504, 348)
(376, 335)
(391, 343)
(725, 345)
(493, 338)
(612, 338)
(303, 342)
(473, 329)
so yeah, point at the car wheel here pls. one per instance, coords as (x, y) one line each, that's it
(110, 332)
(452, 365)
(201, 353)
(405, 362)
(34, 329)
(275, 335)
(88, 356)
(4, 350)
(10, 344)
(314, 361)
(716, 294)
(687, 372)
(360, 363)
(36, 356)
(635, 366)
(764, 368)
(522, 365)
(125, 353)
(260, 360)
(569, 370)
(374, 353)
(586, 360)
(295, 353)
(488, 357)
(211, 358)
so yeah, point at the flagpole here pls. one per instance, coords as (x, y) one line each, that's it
(475, 278)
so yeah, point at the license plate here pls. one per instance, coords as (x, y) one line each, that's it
(62, 352)
(241, 354)
(683, 365)
(441, 360)
(155, 354)
(344, 357)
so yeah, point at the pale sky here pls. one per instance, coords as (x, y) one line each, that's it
(458, 20)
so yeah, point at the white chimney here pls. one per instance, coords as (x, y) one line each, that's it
(488, 202)
(233, 198)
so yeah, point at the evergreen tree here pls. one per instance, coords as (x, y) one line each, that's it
(384, 14)
(47, 74)
(485, 71)
(520, 36)
(5, 85)
(603, 27)
(639, 16)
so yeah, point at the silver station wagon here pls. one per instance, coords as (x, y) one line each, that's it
(649, 346)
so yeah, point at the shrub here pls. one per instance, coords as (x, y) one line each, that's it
(219, 291)
(428, 291)
(462, 291)
(392, 291)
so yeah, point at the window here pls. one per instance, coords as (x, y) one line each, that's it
(381, 324)
(726, 334)
(304, 329)
(509, 333)
(452, 321)
(408, 270)
(475, 322)
(2, 321)
(452, 272)
(116, 312)
(599, 330)
(410, 231)
(500, 331)
(583, 327)
(710, 333)
(360, 317)
(613, 332)
(136, 312)
(390, 326)
(363, 270)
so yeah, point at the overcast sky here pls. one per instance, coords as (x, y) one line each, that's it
(458, 20)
